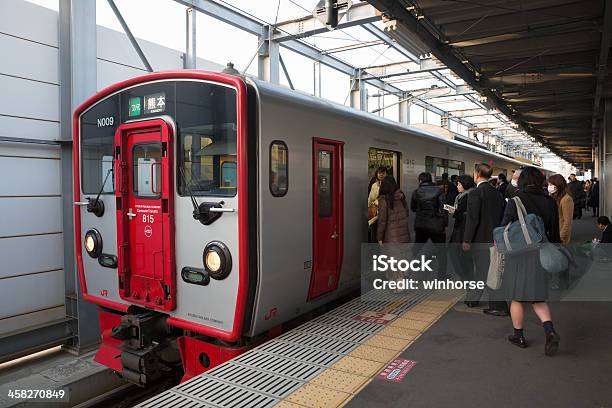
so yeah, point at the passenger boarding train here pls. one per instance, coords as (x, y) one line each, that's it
(210, 209)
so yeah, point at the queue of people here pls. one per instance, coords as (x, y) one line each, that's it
(477, 207)
(584, 194)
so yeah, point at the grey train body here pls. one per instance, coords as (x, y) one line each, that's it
(285, 224)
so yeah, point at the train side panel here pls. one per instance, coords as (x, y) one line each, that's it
(286, 223)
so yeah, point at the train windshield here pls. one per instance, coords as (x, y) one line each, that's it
(206, 115)
(206, 118)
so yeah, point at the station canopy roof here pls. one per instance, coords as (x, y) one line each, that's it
(532, 73)
(543, 63)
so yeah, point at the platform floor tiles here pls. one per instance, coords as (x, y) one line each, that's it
(322, 363)
(464, 360)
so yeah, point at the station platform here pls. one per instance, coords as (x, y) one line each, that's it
(80, 377)
(464, 360)
(322, 363)
(434, 352)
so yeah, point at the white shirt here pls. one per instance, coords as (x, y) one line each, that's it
(373, 196)
(480, 182)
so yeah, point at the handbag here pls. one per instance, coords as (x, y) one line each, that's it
(553, 258)
(372, 211)
(496, 268)
(524, 234)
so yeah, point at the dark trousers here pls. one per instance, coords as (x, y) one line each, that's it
(462, 261)
(439, 239)
(596, 210)
(481, 257)
(577, 211)
(372, 232)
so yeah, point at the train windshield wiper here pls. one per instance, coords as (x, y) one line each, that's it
(196, 207)
(96, 206)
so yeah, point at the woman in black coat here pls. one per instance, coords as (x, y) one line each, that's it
(524, 278)
(462, 261)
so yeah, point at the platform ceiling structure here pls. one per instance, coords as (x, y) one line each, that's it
(543, 63)
(405, 69)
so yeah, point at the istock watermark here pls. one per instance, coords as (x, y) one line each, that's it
(384, 263)
(555, 272)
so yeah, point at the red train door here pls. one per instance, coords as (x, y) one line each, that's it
(144, 223)
(328, 208)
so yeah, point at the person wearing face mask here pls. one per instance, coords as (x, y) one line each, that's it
(557, 188)
(463, 263)
(525, 280)
(512, 188)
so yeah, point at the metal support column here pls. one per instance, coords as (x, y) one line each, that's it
(605, 193)
(316, 78)
(404, 109)
(359, 93)
(268, 58)
(445, 121)
(78, 81)
(190, 61)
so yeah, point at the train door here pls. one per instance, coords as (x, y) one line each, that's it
(328, 208)
(144, 226)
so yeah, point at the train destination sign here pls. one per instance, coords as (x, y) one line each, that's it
(155, 103)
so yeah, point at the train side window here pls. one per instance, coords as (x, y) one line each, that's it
(384, 158)
(325, 182)
(229, 174)
(438, 166)
(279, 170)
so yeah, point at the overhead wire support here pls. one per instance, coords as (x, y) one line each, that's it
(285, 71)
(130, 36)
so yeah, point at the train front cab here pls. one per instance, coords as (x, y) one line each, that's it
(161, 193)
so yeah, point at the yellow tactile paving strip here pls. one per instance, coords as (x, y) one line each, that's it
(337, 385)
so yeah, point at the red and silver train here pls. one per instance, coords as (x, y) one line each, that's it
(210, 209)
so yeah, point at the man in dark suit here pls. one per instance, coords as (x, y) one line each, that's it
(485, 210)
(576, 190)
(603, 223)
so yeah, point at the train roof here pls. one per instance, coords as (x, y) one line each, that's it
(267, 89)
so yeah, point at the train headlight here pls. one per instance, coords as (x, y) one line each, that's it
(217, 260)
(93, 243)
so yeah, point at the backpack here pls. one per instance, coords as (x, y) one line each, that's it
(526, 233)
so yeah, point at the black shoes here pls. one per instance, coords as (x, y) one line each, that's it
(550, 348)
(552, 343)
(495, 312)
(518, 341)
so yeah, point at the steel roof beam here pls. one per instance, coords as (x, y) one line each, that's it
(602, 63)
(130, 36)
(352, 47)
(255, 27)
(252, 26)
(225, 14)
(406, 73)
(484, 38)
(359, 14)
(397, 10)
(406, 50)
